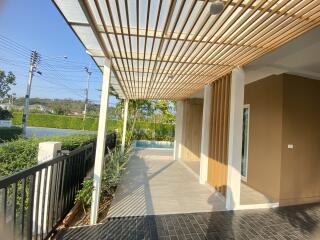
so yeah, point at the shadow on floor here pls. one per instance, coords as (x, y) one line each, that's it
(291, 223)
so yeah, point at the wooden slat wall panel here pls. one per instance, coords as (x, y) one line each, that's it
(191, 129)
(218, 148)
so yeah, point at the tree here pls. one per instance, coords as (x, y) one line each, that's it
(6, 82)
(150, 111)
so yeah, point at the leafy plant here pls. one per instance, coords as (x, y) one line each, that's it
(63, 121)
(9, 134)
(139, 131)
(116, 162)
(84, 195)
(5, 114)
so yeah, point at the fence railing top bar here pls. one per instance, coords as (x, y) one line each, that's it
(81, 148)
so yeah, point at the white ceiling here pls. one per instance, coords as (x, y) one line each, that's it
(300, 57)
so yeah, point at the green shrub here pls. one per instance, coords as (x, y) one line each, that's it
(116, 162)
(71, 142)
(63, 122)
(142, 131)
(5, 114)
(84, 195)
(8, 134)
(22, 153)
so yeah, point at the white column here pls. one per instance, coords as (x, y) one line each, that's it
(124, 128)
(178, 130)
(207, 106)
(100, 146)
(235, 139)
(46, 151)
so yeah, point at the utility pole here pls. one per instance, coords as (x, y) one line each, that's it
(34, 60)
(87, 91)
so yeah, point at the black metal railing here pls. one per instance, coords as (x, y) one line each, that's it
(34, 201)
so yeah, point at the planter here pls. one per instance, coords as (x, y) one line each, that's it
(6, 123)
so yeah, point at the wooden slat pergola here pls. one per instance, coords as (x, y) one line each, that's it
(169, 49)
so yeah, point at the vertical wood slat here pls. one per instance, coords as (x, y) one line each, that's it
(217, 165)
(225, 132)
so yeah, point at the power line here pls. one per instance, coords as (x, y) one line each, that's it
(75, 91)
(58, 68)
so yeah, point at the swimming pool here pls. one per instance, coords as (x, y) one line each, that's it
(153, 144)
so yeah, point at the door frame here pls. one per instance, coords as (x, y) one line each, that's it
(244, 178)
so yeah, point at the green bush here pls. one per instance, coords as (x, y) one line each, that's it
(22, 153)
(62, 121)
(8, 134)
(151, 131)
(142, 131)
(84, 195)
(5, 114)
(116, 162)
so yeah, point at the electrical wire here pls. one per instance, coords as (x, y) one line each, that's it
(57, 71)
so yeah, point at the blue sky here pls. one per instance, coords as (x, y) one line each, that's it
(37, 25)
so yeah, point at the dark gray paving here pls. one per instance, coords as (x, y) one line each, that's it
(300, 222)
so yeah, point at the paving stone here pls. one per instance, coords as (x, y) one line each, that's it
(285, 223)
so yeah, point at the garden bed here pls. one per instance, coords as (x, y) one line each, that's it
(116, 163)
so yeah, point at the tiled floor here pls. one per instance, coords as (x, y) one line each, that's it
(154, 184)
(248, 195)
(193, 166)
(289, 223)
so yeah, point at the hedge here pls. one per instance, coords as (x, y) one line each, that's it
(22, 153)
(62, 121)
(143, 130)
(8, 134)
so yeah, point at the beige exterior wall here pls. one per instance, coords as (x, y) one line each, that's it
(191, 129)
(284, 110)
(265, 140)
(300, 178)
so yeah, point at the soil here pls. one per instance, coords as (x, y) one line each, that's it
(83, 217)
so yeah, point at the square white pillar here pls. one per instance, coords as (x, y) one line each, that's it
(124, 128)
(46, 152)
(100, 146)
(235, 139)
(178, 130)
(205, 134)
